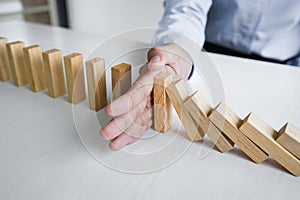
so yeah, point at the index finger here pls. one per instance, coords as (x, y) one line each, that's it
(140, 89)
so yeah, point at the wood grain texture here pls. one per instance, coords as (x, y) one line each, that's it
(178, 92)
(228, 122)
(96, 79)
(121, 79)
(5, 73)
(199, 108)
(35, 68)
(75, 77)
(162, 103)
(54, 73)
(17, 63)
(263, 135)
(289, 138)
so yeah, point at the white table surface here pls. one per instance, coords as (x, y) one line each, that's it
(42, 156)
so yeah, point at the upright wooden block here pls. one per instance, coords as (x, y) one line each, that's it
(263, 135)
(289, 138)
(162, 104)
(227, 121)
(96, 79)
(35, 68)
(54, 73)
(121, 79)
(17, 63)
(5, 73)
(178, 91)
(75, 77)
(199, 109)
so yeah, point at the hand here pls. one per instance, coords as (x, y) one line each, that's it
(173, 56)
(132, 112)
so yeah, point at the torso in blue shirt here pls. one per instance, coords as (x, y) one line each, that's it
(270, 28)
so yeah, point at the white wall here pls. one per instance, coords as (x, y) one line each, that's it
(10, 10)
(113, 16)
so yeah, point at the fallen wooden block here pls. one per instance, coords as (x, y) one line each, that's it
(121, 79)
(5, 73)
(96, 79)
(162, 104)
(178, 91)
(75, 77)
(17, 63)
(263, 135)
(289, 138)
(35, 68)
(54, 73)
(228, 122)
(199, 109)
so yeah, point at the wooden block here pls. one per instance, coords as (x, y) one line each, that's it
(289, 138)
(54, 73)
(75, 77)
(178, 91)
(263, 135)
(96, 79)
(17, 63)
(121, 79)
(35, 68)
(5, 73)
(227, 121)
(199, 109)
(162, 103)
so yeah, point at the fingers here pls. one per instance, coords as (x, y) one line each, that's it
(158, 57)
(122, 141)
(132, 111)
(140, 89)
(161, 59)
(134, 132)
(122, 122)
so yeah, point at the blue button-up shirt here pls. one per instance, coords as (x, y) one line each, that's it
(269, 28)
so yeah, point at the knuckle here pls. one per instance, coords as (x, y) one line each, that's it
(122, 123)
(129, 134)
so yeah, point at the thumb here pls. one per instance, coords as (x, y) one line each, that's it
(156, 63)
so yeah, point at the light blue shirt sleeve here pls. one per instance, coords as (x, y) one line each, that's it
(269, 28)
(183, 20)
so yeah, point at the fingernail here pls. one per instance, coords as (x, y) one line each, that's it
(155, 59)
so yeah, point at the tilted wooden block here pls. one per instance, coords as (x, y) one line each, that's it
(121, 79)
(228, 122)
(75, 77)
(17, 63)
(54, 73)
(5, 73)
(263, 135)
(178, 91)
(96, 79)
(289, 138)
(199, 109)
(162, 103)
(35, 68)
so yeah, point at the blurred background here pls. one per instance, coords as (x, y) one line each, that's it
(92, 16)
